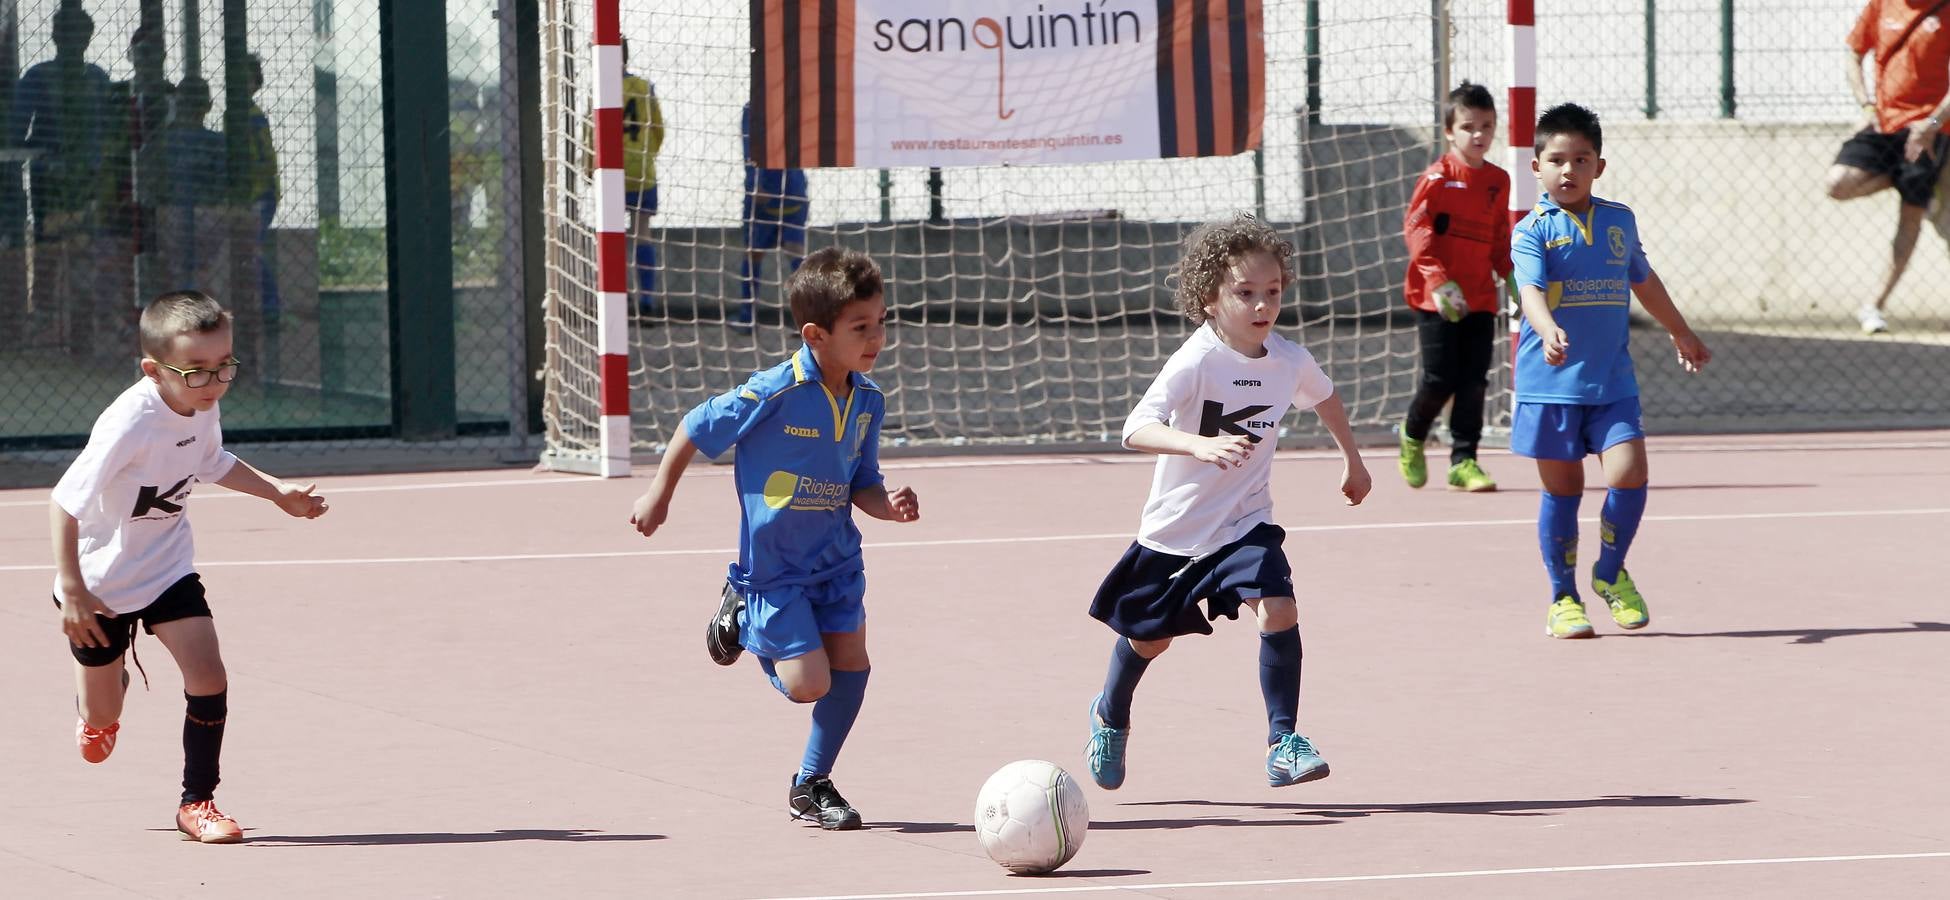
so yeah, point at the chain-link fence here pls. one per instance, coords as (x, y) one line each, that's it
(239, 149)
(1721, 119)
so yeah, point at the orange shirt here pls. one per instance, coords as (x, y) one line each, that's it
(1458, 229)
(1911, 83)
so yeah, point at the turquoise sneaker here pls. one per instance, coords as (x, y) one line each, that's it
(1292, 760)
(1105, 752)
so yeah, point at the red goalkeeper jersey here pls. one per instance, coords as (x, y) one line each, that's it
(1458, 230)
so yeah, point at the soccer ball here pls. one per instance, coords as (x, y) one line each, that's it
(1031, 817)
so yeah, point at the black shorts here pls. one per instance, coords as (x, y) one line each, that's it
(182, 600)
(1150, 596)
(1882, 154)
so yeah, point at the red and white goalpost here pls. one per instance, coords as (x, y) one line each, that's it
(1520, 55)
(612, 244)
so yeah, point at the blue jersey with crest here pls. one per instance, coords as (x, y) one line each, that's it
(1586, 266)
(802, 453)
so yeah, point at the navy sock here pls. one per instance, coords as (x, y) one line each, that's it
(1120, 685)
(1617, 525)
(646, 269)
(1557, 536)
(832, 718)
(1279, 680)
(748, 276)
(203, 719)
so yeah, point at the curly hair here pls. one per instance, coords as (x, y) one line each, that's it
(1210, 251)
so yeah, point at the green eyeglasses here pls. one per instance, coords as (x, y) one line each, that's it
(197, 378)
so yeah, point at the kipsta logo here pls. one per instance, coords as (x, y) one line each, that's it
(1092, 26)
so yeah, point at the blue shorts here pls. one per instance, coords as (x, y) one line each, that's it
(1567, 431)
(641, 201)
(787, 622)
(774, 221)
(1150, 596)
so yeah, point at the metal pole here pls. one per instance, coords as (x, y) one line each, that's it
(192, 39)
(886, 196)
(936, 212)
(1439, 52)
(420, 234)
(1651, 59)
(1313, 62)
(1726, 59)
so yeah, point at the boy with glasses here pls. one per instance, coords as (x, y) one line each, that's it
(123, 550)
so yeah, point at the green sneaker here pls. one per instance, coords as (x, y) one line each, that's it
(1567, 619)
(1414, 466)
(1468, 476)
(1627, 607)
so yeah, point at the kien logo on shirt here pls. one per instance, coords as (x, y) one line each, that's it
(789, 490)
(1216, 419)
(168, 501)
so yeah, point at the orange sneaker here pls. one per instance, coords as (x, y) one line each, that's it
(202, 822)
(95, 744)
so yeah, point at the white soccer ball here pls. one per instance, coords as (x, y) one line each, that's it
(1031, 817)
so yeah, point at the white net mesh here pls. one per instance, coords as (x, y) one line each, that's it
(1030, 302)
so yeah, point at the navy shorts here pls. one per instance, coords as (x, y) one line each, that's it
(1882, 154)
(775, 221)
(1150, 596)
(1567, 431)
(641, 201)
(182, 600)
(787, 622)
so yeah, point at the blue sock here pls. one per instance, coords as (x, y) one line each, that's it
(832, 718)
(748, 276)
(1617, 525)
(1279, 680)
(646, 270)
(1557, 536)
(1120, 685)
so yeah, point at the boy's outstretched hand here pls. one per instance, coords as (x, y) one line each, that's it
(80, 610)
(1355, 481)
(649, 512)
(1692, 351)
(904, 504)
(1556, 345)
(1224, 450)
(300, 501)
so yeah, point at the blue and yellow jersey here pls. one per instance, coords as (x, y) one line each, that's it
(802, 454)
(1586, 266)
(643, 133)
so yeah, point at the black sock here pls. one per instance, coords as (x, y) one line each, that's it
(1279, 680)
(203, 720)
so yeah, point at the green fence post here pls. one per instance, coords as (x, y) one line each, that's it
(886, 196)
(1651, 59)
(419, 218)
(1726, 59)
(534, 258)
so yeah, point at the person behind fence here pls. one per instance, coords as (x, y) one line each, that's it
(1207, 535)
(1458, 237)
(258, 191)
(60, 113)
(808, 433)
(1579, 262)
(775, 214)
(643, 138)
(1902, 142)
(193, 201)
(122, 547)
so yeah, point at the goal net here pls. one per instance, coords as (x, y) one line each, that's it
(1029, 304)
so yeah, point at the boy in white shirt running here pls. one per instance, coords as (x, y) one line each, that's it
(1207, 532)
(123, 553)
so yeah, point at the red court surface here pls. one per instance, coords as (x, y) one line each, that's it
(487, 685)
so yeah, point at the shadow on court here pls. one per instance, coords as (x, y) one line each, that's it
(1801, 635)
(1336, 811)
(440, 837)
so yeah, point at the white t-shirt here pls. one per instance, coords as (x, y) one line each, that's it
(1208, 388)
(128, 492)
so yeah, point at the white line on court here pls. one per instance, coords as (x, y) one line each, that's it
(1674, 445)
(1020, 539)
(1404, 876)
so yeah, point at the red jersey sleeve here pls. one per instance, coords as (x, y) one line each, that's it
(1425, 269)
(1862, 38)
(1500, 227)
